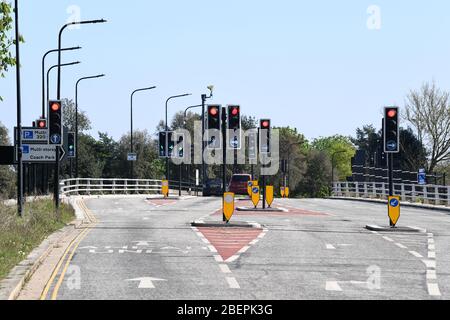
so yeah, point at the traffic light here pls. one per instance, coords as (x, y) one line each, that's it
(71, 145)
(264, 138)
(214, 117)
(162, 145)
(214, 123)
(391, 130)
(55, 123)
(234, 117)
(234, 126)
(171, 145)
(41, 124)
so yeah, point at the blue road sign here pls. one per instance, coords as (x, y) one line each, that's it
(28, 135)
(25, 149)
(391, 145)
(422, 177)
(55, 139)
(255, 190)
(394, 203)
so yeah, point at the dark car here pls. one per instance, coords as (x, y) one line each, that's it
(239, 184)
(213, 187)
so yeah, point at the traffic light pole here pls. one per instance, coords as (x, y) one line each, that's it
(391, 173)
(19, 116)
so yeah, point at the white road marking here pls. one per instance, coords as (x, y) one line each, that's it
(332, 286)
(232, 258)
(431, 275)
(430, 241)
(254, 242)
(330, 247)
(224, 268)
(375, 232)
(432, 247)
(388, 239)
(401, 246)
(431, 255)
(431, 264)
(212, 249)
(232, 282)
(433, 289)
(204, 240)
(218, 258)
(416, 254)
(244, 249)
(146, 283)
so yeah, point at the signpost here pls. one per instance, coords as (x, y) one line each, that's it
(165, 188)
(394, 209)
(228, 205)
(283, 191)
(132, 157)
(269, 195)
(256, 197)
(422, 177)
(286, 192)
(41, 153)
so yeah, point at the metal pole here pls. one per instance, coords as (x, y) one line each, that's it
(203, 142)
(224, 159)
(19, 117)
(391, 174)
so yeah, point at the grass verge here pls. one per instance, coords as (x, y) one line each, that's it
(19, 236)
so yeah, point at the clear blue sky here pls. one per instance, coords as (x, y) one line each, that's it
(292, 61)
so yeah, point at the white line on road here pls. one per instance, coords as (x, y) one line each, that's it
(232, 282)
(416, 254)
(433, 289)
(431, 255)
(430, 241)
(388, 239)
(232, 258)
(244, 249)
(432, 247)
(401, 246)
(212, 249)
(431, 275)
(332, 286)
(431, 264)
(218, 258)
(330, 247)
(224, 268)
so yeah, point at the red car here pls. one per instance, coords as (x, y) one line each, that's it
(239, 184)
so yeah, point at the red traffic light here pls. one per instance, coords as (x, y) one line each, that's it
(265, 124)
(235, 111)
(55, 107)
(42, 124)
(214, 111)
(392, 113)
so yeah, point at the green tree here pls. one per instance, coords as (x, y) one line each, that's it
(6, 41)
(333, 146)
(317, 176)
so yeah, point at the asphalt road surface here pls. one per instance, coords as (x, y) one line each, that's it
(318, 249)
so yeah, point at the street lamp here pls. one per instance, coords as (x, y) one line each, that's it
(43, 74)
(132, 146)
(49, 71)
(189, 108)
(76, 119)
(59, 47)
(167, 126)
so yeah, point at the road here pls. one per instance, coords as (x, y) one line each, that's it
(319, 249)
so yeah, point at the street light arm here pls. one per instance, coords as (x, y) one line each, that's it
(189, 108)
(174, 97)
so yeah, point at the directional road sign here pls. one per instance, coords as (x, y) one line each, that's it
(132, 157)
(41, 153)
(32, 135)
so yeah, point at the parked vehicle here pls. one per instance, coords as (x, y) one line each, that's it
(239, 184)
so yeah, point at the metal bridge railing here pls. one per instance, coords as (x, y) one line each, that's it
(427, 194)
(84, 186)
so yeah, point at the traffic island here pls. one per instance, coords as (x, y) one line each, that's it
(395, 229)
(247, 209)
(219, 224)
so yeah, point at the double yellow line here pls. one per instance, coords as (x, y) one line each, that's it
(68, 256)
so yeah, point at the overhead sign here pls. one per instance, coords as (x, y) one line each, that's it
(422, 177)
(132, 157)
(394, 209)
(228, 205)
(165, 188)
(256, 195)
(269, 195)
(41, 153)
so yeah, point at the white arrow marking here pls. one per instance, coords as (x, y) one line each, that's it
(146, 283)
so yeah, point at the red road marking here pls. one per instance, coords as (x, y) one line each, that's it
(229, 241)
(161, 202)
